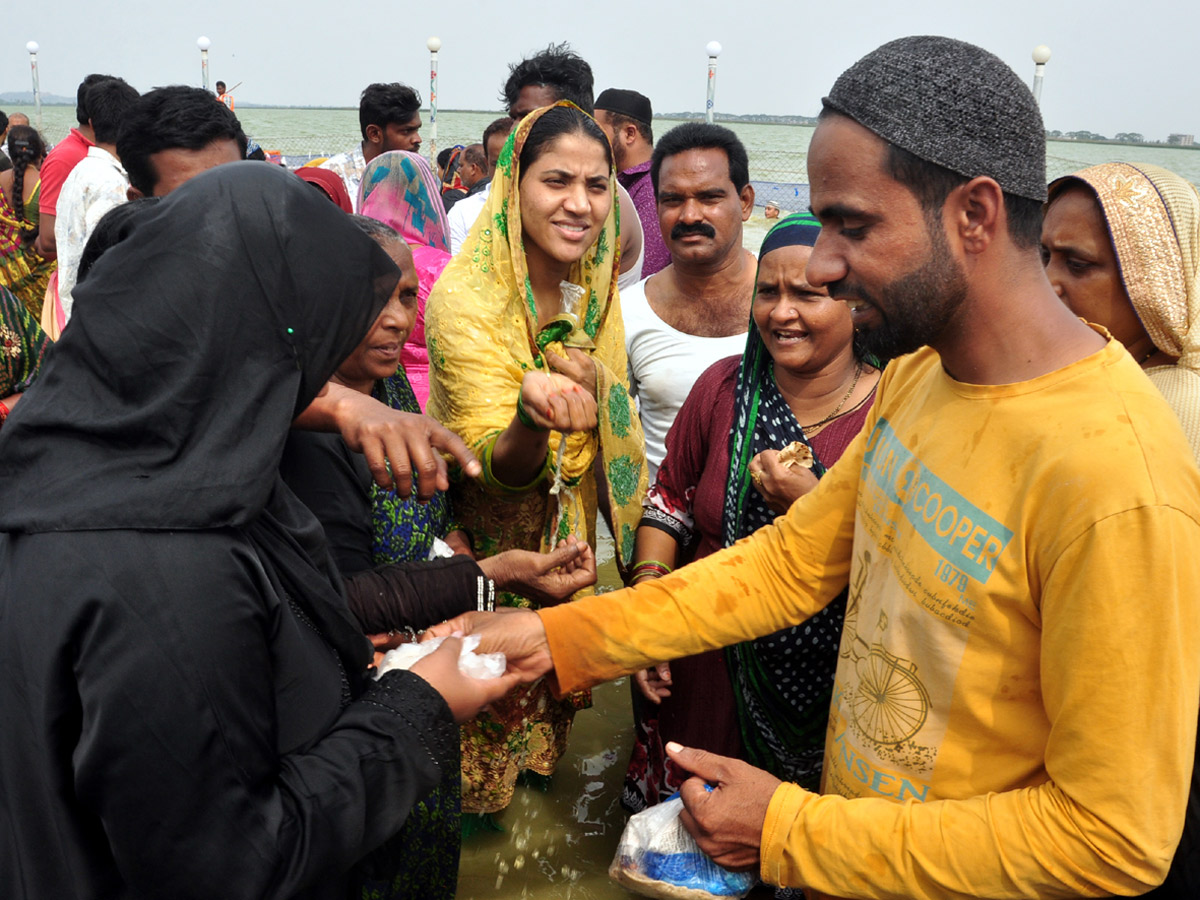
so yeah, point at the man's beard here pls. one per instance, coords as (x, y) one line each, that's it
(917, 306)
(619, 157)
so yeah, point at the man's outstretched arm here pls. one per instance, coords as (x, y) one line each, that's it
(777, 577)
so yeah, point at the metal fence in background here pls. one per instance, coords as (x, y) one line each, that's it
(781, 176)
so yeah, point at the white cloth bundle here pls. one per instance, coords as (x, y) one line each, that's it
(470, 663)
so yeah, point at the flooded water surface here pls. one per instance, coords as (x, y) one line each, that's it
(778, 153)
(559, 844)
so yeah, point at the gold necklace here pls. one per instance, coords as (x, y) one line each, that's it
(833, 415)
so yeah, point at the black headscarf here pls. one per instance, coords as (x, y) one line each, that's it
(193, 344)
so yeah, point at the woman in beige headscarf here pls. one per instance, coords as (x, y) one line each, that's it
(1122, 248)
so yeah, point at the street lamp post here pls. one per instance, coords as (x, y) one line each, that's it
(713, 49)
(33, 48)
(1041, 56)
(203, 43)
(434, 44)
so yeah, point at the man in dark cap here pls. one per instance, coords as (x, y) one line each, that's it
(1018, 524)
(626, 118)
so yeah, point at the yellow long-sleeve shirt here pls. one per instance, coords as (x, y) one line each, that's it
(1015, 707)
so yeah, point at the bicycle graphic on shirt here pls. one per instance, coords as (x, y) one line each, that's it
(890, 703)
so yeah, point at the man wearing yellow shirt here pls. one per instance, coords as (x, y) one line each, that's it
(1015, 707)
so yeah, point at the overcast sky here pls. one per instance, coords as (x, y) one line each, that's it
(1116, 66)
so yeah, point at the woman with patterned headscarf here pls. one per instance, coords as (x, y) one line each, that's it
(527, 364)
(1121, 243)
(1122, 248)
(801, 391)
(399, 189)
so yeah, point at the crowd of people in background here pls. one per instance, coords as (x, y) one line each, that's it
(907, 503)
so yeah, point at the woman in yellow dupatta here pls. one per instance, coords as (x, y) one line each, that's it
(527, 364)
(1122, 248)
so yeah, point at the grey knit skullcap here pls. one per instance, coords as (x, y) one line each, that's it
(949, 103)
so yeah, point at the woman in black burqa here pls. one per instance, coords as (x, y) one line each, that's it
(182, 686)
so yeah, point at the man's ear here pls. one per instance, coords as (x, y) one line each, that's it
(629, 135)
(374, 135)
(977, 212)
(746, 195)
(132, 193)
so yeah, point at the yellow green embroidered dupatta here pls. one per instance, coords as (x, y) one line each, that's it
(483, 335)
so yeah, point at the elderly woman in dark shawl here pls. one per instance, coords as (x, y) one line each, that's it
(183, 685)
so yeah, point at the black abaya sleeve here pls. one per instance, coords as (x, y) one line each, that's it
(198, 720)
(334, 484)
(413, 595)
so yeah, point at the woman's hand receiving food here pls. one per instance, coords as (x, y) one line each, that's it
(780, 485)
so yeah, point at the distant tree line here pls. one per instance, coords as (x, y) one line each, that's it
(1079, 135)
(1124, 137)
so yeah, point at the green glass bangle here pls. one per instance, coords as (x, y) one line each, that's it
(525, 419)
(494, 485)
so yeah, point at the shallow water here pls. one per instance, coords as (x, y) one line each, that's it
(559, 844)
(778, 153)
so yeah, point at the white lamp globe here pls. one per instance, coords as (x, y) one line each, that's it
(203, 43)
(434, 44)
(1041, 54)
(32, 47)
(713, 48)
